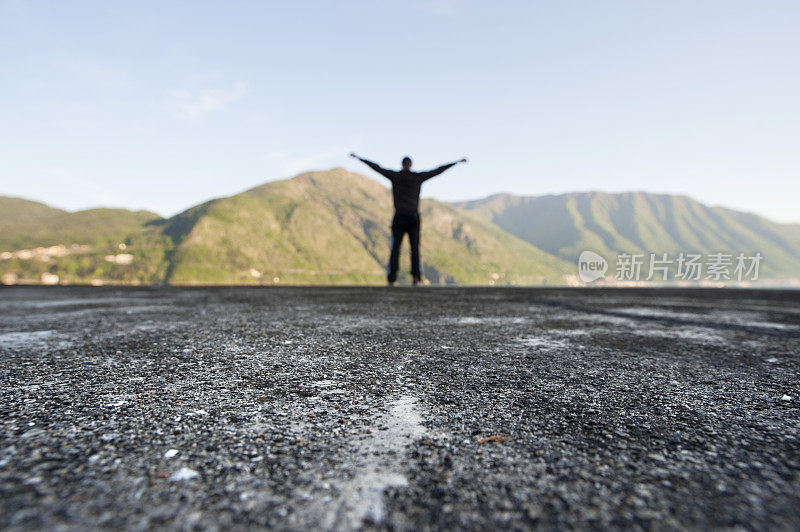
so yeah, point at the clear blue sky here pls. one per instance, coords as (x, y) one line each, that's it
(161, 105)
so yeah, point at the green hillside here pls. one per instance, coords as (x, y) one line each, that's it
(332, 227)
(638, 222)
(93, 226)
(16, 211)
(74, 245)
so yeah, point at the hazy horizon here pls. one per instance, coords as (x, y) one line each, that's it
(161, 107)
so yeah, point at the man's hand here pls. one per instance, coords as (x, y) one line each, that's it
(463, 160)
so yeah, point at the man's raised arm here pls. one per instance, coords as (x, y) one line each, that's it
(436, 171)
(383, 171)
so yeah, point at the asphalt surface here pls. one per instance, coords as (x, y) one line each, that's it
(406, 409)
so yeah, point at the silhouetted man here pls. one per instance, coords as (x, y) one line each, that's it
(405, 191)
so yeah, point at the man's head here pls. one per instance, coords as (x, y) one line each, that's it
(406, 163)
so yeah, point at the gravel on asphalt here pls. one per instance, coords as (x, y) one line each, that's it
(404, 409)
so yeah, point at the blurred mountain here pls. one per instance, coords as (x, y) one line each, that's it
(332, 227)
(326, 227)
(110, 245)
(639, 222)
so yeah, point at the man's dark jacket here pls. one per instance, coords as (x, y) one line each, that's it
(406, 184)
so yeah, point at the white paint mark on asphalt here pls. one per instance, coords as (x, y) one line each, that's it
(543, 342)
(380, 460)
(19, 339)
(700, 334)
(36, 339)
(771, 325)
(377, 464)
(748, 319)
(490, 320)
(128, 310)
(617, 321)
(75, 302)
(619, 324)
(658, 313)
(568, 333)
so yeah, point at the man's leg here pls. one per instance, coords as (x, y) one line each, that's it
(413, 237)
(394, 258)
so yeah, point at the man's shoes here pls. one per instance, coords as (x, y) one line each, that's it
(391, 283)
(417, 280)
